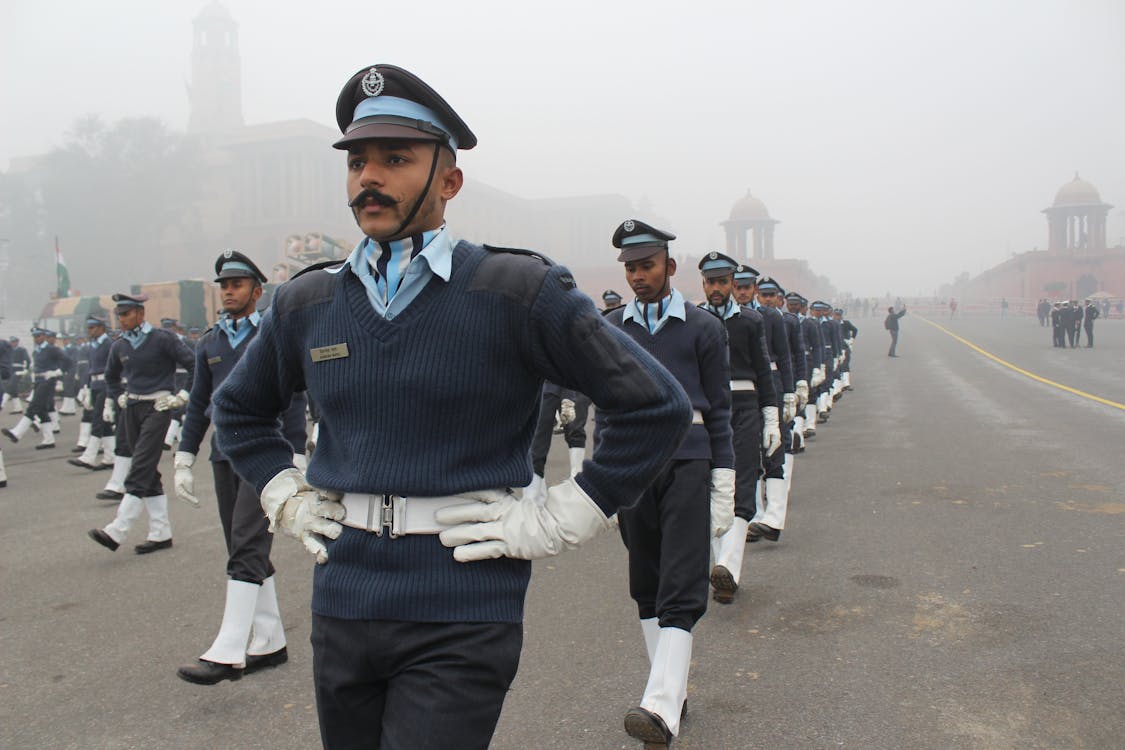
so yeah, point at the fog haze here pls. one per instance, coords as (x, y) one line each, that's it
(898, 143)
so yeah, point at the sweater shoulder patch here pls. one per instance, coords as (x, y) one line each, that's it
(515, 274)
(312, 285)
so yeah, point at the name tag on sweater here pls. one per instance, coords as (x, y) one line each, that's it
(213, 360)
(323, 353)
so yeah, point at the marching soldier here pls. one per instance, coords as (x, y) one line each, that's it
(20, 363)
(101, 437)
(692, 499)
(572, 409)
(183, 383)
(848, 331)
(745, 279)
(424, 550)
(145, 357)
(611, 300)
(772, 499)
(5, 374)
(49, 364)
(251, 636)
(754, 414)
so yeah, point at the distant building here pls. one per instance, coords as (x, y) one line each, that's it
(1076, 263)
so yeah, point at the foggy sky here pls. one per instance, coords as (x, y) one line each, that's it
(898, 143)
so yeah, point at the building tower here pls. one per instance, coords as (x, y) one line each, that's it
(215, 91)
(1076, 220)
(749, 214)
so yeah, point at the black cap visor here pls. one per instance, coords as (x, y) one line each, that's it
(631, 253)
(391, 128)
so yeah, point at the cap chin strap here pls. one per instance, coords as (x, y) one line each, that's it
(425, 191)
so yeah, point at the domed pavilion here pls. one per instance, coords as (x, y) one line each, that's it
(1076, 220)
(750, 215)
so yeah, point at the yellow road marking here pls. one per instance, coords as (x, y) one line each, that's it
(1022, 371)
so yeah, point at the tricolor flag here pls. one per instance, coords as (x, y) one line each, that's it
(61, 274)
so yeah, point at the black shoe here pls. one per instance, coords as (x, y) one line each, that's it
(752, 535)
(78, 449)
(104, 539)
(205, 672)
(766, 532)
(646, 726)
(109, 495)
(4, 483)
(81, 464)
(10, 435)
(257, 662)
(723, 582)
(44, 446)
(101, 467)
(151, 546)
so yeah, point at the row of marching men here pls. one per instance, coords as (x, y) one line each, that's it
(762, 368)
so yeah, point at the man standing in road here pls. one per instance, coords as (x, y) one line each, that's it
(1091, 315)
(891, 324)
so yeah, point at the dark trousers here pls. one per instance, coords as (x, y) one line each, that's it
(98, 426)
(1058, 337)
(245, 527)
(384, 685)
(668, 535)
(746, 423)
(894, 342)
(145, 427)
(575, 432)
(42, 400)
(122, 445)
(1089, 334)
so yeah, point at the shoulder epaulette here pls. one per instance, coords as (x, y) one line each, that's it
(519, 251)
(318, 267)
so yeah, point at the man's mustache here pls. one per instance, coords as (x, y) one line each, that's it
(371, 194)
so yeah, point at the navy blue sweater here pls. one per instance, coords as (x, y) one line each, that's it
(214, 361)
(441, 400)
(695, 351)
(149, 368)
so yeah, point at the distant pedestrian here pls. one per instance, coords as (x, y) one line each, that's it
(1003, 307)
(891, 324)
(1092, 314)
(952, 308)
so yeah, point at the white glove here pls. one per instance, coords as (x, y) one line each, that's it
(499, 525)
(302, 511)
(169, 403)
(789, 406)
(109, 415)
(802, 394)
(300, 462)
(84, 397)
(722, 500)
(51, 374)
(122, 400)
(185, 482)
(771, 432)
(817, 377)
(849, 342)
(58, 386)
(566, 412)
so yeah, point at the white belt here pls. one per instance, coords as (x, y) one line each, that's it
(97, 378)
(147, 396)
(696, 416)
(773, 365)
(401, 515)
(743, 385)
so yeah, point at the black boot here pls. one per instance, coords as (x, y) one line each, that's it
(205, 672)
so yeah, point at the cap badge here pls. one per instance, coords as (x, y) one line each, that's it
(629, 226)
(714, 256)
(228, 254)
(373, 83)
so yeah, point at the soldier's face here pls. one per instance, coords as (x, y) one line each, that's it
(395, 174)
(131, 317)
(718, 290)
(648, 277)
(793, 306)
(239, 295)
(743, 293)
(768, 299)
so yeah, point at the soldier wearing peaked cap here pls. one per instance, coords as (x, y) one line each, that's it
(754, 415)
(814, 359)
(49, 363)
(767, 294)
(424, 550)
(848, 333)
(691, 500)
(13, 386)
(611, 300)
(745, 284)
(101, 438)
(251, 636)
(146, 358)
(5, 374)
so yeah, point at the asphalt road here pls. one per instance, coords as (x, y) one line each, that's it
(952, 576)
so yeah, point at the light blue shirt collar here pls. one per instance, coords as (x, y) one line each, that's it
(236, 331)
(654, 315)
(137, 336)
(726, 312)
(436, 259)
